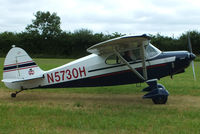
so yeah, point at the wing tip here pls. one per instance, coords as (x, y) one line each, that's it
(136, 36)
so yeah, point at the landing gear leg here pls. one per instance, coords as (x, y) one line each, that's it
(156, 92)
(13, 95)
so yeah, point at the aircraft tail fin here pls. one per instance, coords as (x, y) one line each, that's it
(19, 67)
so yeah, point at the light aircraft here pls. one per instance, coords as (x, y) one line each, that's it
(123, 60)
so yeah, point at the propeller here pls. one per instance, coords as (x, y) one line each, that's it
(191, 54)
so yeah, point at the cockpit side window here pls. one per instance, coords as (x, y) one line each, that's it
(132, 55)
(137, 54)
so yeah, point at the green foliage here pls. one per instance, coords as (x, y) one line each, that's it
(68, 44)
(45, 24)
(195, 40)
(7, 39)
(165, 43)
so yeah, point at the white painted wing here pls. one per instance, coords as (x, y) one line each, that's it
(123, 43)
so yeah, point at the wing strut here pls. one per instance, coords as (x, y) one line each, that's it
(143, 56)
(131, 68)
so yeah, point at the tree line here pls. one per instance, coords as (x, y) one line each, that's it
(45, 38)
(65, 45)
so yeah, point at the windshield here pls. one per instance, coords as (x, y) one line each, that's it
(152, 51)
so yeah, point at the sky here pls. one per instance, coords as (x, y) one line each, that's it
(166, 17)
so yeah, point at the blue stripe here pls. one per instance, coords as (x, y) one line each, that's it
(19, 66)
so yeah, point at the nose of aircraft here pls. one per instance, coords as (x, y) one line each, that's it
(192, 56)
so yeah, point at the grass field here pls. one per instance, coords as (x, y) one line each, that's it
(104, 110)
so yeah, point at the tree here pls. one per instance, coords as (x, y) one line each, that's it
(7, 39)
(81, 40)
(45, 24)
(195, 39)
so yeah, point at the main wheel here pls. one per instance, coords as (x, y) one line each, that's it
(160, 99)
(13, 95)
(160, 86)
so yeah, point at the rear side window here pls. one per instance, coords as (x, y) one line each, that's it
(112, 60)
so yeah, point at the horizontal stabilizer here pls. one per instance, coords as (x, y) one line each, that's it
(22, 80)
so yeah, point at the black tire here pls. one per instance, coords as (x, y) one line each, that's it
(160, 99)
(13, 95)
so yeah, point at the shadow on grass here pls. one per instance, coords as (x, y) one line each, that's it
(38, 97)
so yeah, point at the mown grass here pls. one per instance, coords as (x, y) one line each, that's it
(115, 109)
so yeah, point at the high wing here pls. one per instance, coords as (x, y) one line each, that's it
(121, 44)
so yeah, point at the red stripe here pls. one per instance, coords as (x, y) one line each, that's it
(10, 65)
(22, 68)
(17, 63)
(158, 65)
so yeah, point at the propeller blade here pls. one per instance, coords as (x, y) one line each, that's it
(190, 50)
(193, 70)
(189, 43)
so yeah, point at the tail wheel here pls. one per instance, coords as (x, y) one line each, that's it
(13, 95)
(160, 99)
